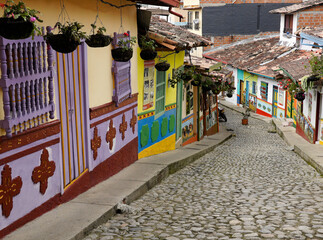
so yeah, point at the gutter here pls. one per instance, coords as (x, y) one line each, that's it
(175, 13)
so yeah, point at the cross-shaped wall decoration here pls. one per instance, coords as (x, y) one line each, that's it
(44, 171)
(123, 127)
(8, 189)
(111, 134)
(133, 121)
(95, 143)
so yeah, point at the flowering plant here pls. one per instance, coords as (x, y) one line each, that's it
(100, 30)
(291, 86)
(316, 64)
(126, 44)
(20, 11)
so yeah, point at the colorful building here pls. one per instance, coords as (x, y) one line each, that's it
(67, 121)
(160, 103)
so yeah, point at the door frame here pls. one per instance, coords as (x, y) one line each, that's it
(275, 102)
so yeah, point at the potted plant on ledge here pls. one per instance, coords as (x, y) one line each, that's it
(124, 51)
(98, 39)
(18, 21)
(68, 38)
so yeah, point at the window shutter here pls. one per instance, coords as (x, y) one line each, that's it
(122, 75)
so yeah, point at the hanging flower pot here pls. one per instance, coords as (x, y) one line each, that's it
(162, 66)
(19, 21)
(98, 40)
(68, 39)
(15, 28)
(313, 78)
(148, 54)
(122, 54)
(229, 94)
(196, 83)
(300, 96)
(61, 43)
(148, 46)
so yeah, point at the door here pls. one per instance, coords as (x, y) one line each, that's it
(179, 110)
(73, 112)
(247, 94)
(318, 122)
(275, 100)
(242, 101)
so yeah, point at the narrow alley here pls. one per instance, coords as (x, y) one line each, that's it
(251, 187)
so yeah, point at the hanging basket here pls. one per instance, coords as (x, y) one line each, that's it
(313, 78)
(98, 40)
(15, 28)
(121, 54)
(162, 66)
(61, 43)
(196, 83)
(148, 54)
(300, 96)
(229, 94)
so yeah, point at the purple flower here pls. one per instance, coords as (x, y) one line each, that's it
(32, 19)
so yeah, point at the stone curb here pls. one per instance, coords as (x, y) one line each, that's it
(155, 180)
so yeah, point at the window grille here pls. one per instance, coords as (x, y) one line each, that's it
(26, 83)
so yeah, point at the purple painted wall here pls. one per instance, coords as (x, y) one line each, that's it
(30, 197)
(104, 151)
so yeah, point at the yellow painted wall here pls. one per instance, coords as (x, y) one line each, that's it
(251, 78)
(99, 60)
(165, 145)
(175, 61)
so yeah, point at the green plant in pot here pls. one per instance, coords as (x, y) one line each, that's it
(18, 21)
(316, 65)
(99, 39)
(148, 47)
(162, 65)
(68, 38)
(124, 51)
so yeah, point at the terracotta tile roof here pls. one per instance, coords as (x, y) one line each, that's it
(174, 37)
(297, 7)
(169, 3)
(250, 55)
(265, 57)
(293, 63)
(205, 64)
(317, 32)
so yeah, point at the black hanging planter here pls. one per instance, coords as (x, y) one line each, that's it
(229, 94)
(313, 78)
(61, 43)
(98, 40)
(121, 54)
(162, 66)
(196, 83)
(15, 28)
(300, 96)
(148, 54)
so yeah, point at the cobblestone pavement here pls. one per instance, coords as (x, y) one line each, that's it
(251, 187)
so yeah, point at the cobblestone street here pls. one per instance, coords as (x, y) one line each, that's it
(251, 187)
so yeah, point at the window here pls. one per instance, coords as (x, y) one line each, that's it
(288, 27)
(264, 91)
(189, 20)
(160, 93)
(197, 21)
(27, 85)
(254, 87)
